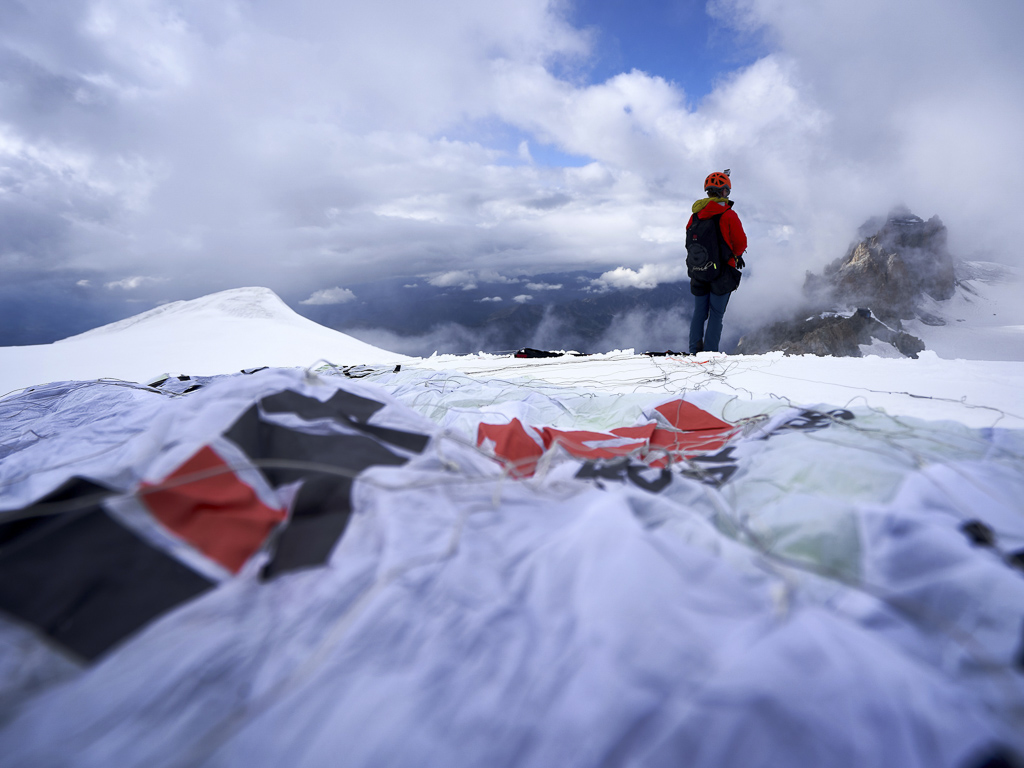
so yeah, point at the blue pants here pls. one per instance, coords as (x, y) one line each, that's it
(711, 309)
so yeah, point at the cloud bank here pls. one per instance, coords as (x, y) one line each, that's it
(311, 144)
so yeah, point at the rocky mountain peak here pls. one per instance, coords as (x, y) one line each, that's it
(890, 269)
(862, 298)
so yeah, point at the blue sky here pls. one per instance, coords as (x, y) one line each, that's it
(161, 150)
(674, 39)
(677, 40)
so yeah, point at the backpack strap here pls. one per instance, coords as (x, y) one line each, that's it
(723, 247)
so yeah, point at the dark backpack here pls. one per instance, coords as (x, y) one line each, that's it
(707, 256)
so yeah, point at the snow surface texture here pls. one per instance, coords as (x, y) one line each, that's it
(983, 321)
(820, 605)
(222, 333)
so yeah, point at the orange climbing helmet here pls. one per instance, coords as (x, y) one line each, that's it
(719, 182)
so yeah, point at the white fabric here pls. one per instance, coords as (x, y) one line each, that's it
(821, 607)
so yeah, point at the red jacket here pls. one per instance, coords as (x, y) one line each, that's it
(732, 229)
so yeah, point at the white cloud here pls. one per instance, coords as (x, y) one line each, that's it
(417, 208)
(356, 180)
(468, 280)
(133, 283)
(913, 117)
(522, 298)
(490, 298)
(83, 283)
(648, 276)
(459, 278)
(232, 143)
(330, 296)
(544, 286)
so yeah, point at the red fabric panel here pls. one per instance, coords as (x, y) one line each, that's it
(690, 442)
(512, 444)
(580, 443)
(686, 416)
(696, 431)
(699, 431)
(644, 431)
(687, 443)
(216, 512)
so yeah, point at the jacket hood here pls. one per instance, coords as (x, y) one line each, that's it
(711, 206)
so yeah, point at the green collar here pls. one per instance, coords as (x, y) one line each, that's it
(701, 204)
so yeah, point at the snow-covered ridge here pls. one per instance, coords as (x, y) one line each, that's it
(242, 303)
(221, 333)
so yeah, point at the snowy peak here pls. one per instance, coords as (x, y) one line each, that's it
(253, 303)
(221, 333)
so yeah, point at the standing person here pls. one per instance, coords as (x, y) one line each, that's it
(715, 243)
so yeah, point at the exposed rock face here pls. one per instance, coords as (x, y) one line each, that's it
(828, 334)
(884, 276)
(890, 270)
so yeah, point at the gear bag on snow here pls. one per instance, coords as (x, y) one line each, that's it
(707, 256)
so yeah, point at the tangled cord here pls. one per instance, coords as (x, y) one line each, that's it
(682, 374)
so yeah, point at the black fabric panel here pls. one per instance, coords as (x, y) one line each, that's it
(245, 432)
(323, 505)
(306, 542)
(263, 440)
(342, 405)
(86, 581)
(410, 441)
(18, 533)
(351, 410)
